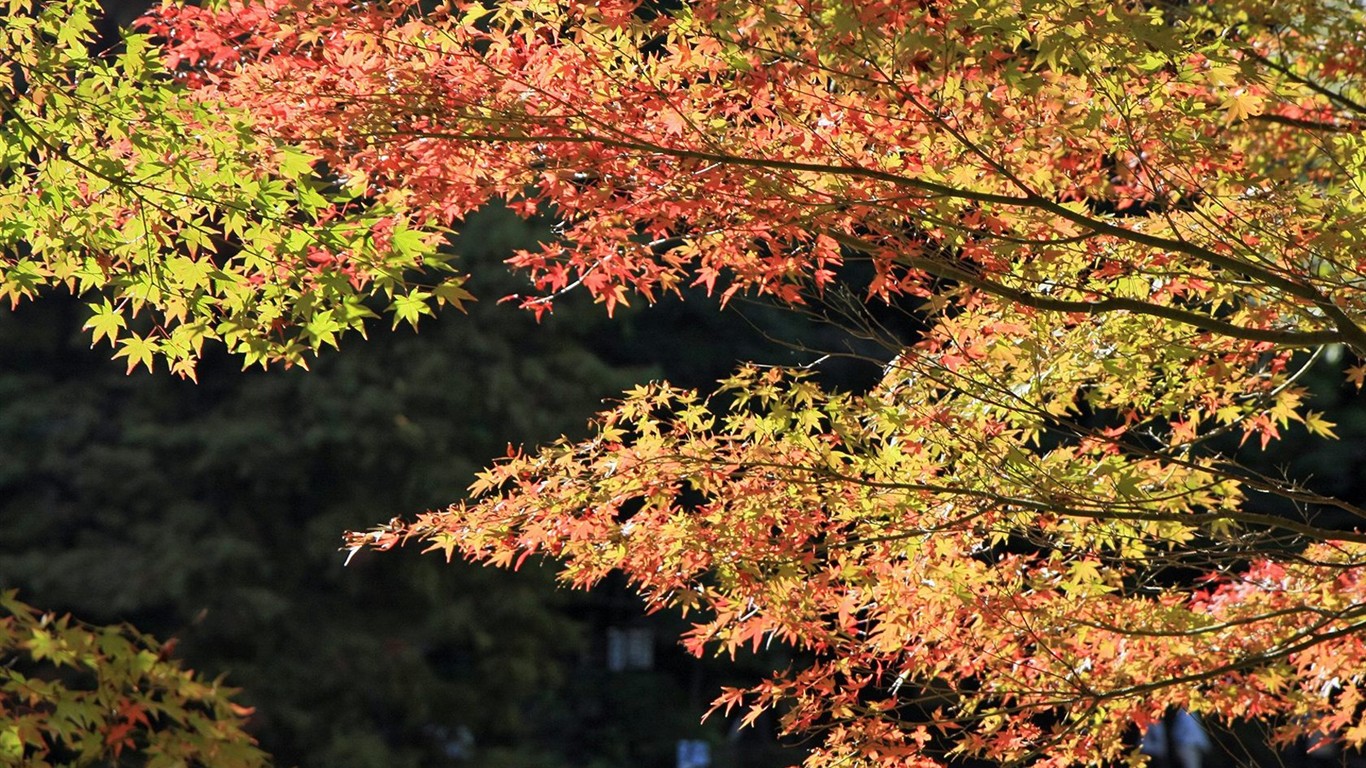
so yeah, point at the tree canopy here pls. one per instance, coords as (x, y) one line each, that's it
(1122, 231)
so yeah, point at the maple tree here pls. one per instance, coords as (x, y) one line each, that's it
(71, 694)
(1125, 228)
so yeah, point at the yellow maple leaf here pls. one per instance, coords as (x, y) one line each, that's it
(1241, 105)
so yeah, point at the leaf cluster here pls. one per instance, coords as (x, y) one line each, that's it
(77, 695)
(179, 220)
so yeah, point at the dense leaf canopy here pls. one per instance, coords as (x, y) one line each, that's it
(1124, 229)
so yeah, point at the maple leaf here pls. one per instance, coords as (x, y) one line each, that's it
(106, 323)
(1241, 105)
(1356, 374)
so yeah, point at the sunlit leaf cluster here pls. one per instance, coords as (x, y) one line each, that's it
(177, 219)
(76, 695)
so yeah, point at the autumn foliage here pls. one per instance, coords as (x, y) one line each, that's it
(1124, 227)
(72, 694)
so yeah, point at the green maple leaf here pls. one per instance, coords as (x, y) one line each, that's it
(106, 323)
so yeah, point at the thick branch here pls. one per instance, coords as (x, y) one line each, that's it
(1196, 320)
